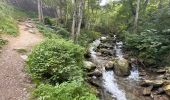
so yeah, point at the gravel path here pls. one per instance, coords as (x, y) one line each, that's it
(14, 83)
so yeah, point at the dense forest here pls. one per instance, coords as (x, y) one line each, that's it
(85, 49)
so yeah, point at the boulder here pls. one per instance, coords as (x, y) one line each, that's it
(89, 65)
(147, 91)
(160, 90)
(96, 73)
(166, 88)
(109, 65)
(154, 83)
(121, 67)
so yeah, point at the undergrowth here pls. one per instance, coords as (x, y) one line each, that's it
(8, 19)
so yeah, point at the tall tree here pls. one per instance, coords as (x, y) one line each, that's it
(78, 6)
(40, 11)
(137, 15)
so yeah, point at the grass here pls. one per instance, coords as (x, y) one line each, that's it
(8, 19)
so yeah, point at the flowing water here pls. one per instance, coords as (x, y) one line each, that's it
(119, 88)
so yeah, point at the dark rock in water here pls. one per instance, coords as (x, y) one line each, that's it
(109, 65)
(154, 83)
(106, 46)
(121, 67)
(96, 73)
(106, 51)
(147, 91)
(108, 96)
(95, 82)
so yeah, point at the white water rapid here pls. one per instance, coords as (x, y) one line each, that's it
(109, 79)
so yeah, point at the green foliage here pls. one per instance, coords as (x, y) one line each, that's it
(52, 31)
(87, 37)
(65, 91)
(56, 60)
(47, 31)
(149, 45)
(8, 16)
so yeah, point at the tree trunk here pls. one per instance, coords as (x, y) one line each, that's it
(80, 16)
(137, 16)
(40, 11)
(74, 20)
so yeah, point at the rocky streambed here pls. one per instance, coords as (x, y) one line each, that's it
(121, 78)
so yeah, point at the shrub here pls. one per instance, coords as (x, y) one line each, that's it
(8, 16)
(65, 91)
(56, 60)
(53, 32)
(87, 37)
(150, 45)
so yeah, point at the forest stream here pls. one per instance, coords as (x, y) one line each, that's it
(112, 86)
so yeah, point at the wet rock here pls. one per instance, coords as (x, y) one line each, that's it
(98, 54)
(160, 97)
(109, 65)
(160, 90)
(167, 76)
(161, 71)
(106, 51)
(96, 73)
(166, 88)
(89, 65)
(95, 82)
(106, 46)
(147, 91)
(154, 83)
(133, 61)
(142, 73)
(121, 67)
(108, 96)
(103, 38)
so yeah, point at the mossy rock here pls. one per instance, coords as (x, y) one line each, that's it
(121, 67)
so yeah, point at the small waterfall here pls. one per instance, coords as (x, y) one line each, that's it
(134, 73)
(109, 80)
(118, 49)
(111, 85)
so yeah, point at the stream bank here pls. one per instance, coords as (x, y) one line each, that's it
(115, 77)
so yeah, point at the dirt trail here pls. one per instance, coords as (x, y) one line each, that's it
(14, 82)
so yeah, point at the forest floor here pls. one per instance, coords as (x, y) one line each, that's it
(14, 82)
